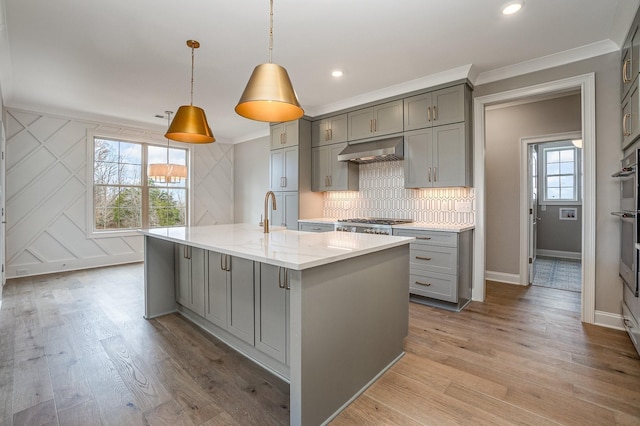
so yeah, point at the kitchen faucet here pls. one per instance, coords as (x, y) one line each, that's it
(266, 209)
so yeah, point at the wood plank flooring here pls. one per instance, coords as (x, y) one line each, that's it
(75, 350)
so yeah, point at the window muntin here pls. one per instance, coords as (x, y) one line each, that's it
(124, 197)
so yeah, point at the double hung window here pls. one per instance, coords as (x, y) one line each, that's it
(561, 171)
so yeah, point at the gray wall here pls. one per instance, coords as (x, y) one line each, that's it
(504, 129)
(608, 155)
(251, 179)
(559, 235)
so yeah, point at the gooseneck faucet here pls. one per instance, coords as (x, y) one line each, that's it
(266, 209)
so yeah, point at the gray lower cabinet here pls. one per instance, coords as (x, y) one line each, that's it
(437, 157)
(272, 312)
(329, 174)
(240, 299)
(190, 277)
(440, 267)
(316, 227)
(218, 290)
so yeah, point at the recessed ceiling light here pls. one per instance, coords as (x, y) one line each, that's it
(336, 73)
(512, 8)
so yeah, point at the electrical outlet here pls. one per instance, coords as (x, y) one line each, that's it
(463, 206)
(22, 272)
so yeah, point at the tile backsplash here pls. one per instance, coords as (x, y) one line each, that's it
(382, 194)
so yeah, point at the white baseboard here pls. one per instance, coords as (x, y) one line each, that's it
(502, 277)
(72, 265)
(559, 253)
(609, 320)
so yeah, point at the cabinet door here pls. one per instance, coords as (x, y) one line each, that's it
(216, 309)
(198, 280)
(337, 128)
(448, 105)
(183, 274)
(319, 172)
(630, 118)
(388, 118)
(449, 156)
(417, 112)
(290, 169)
(318, 133)
(630, 53)
(276, 169)
(417, 159)
(291, 137)
(240, 314)
(343, 175)
(290, 210)
(272, 313)
(360, 124)
(277, 135)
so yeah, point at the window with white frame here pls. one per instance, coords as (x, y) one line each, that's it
(126, 196)
(561, 173)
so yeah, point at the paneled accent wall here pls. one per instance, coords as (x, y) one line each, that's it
(382, 194)
(46, 190)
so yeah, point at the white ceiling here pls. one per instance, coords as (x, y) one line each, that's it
(126, 60)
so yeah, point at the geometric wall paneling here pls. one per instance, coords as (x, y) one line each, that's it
(213, 184)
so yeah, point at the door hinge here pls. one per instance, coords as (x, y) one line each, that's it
(530, 260)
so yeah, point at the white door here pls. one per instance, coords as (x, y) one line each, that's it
(532, 178)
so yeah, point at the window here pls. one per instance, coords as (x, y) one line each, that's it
(561, 173)
(125, 197)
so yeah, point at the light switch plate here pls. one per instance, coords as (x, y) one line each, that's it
(463, 206)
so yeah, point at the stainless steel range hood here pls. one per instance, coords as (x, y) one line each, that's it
(387, 149)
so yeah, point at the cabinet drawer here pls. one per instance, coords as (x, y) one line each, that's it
(433, 258)
(316, 227)
(436, 238)
(434, 285)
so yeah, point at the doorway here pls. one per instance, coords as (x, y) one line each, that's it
(586, 85)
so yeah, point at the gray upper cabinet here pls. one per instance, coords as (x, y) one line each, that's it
(272, 312)
(284, 134)
(630, 56)
(191, 270)
(437, 108)
(630, 115)
(329, 174)
(329, 130)
(437, 157)
(378, 120)
(283, 169)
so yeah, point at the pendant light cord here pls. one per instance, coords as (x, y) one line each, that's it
(270, 30)
(169, 124)
(192, 63)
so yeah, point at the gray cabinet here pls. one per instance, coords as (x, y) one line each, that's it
(272, 312)
(378, 120)
(329, 174)
(440, 266)
(283, 169)
(190, 273)
(284, 134)
(630, 115)
(437, 157)
(329, 130)
(630, 55)
(217, 289)
(240, 298)
(437, 108)
(286, 213)
(316, 227)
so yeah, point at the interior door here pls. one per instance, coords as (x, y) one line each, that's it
(532, 178)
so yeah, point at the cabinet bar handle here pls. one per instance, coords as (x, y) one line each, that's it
(326, 181)
(330, 180)
(286, 279)
(435, 174)
(228, 262)
(221, 256)
(429, 114)
(423, 238)
(371, 126)
(330, 134)
(429, 174)
(424, 284)
(423, 258)
(326, 134)
(435, 113)
(625, 67)
(280, 284)
(375, 125)
(625, 132)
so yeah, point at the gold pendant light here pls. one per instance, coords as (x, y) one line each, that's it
(167, 172)
(190, 123)
(269, 95)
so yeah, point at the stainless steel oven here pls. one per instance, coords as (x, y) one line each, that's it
(628, 215)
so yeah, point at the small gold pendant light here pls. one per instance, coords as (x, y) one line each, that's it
(167, 172)
(269, 95)
(190, 122)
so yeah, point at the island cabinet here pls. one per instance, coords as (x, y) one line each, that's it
(437, 108)
(190, 273)
(437, 157)
(378, 120)
(329, 174)
(440, 267)
(329, 130)
(272, 311)
(285, 134)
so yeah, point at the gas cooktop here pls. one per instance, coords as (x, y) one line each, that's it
(376, 221)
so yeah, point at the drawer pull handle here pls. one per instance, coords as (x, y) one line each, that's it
(423, 258)
(424, 284)
(423, 238)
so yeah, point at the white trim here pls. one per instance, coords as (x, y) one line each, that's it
(609, 320)
(524, 195)
(554, 60)
(74, 264)
(503, 277)
(559, 254)
(586, 83)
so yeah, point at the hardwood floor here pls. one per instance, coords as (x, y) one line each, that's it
(75, 350)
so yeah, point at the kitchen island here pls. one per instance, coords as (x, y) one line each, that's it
(327, 312)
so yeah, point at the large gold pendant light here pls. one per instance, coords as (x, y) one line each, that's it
(167, 172)
(269, 95)
(190, 123)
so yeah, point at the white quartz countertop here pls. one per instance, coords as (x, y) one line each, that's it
(290, 249)
(422, 226)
